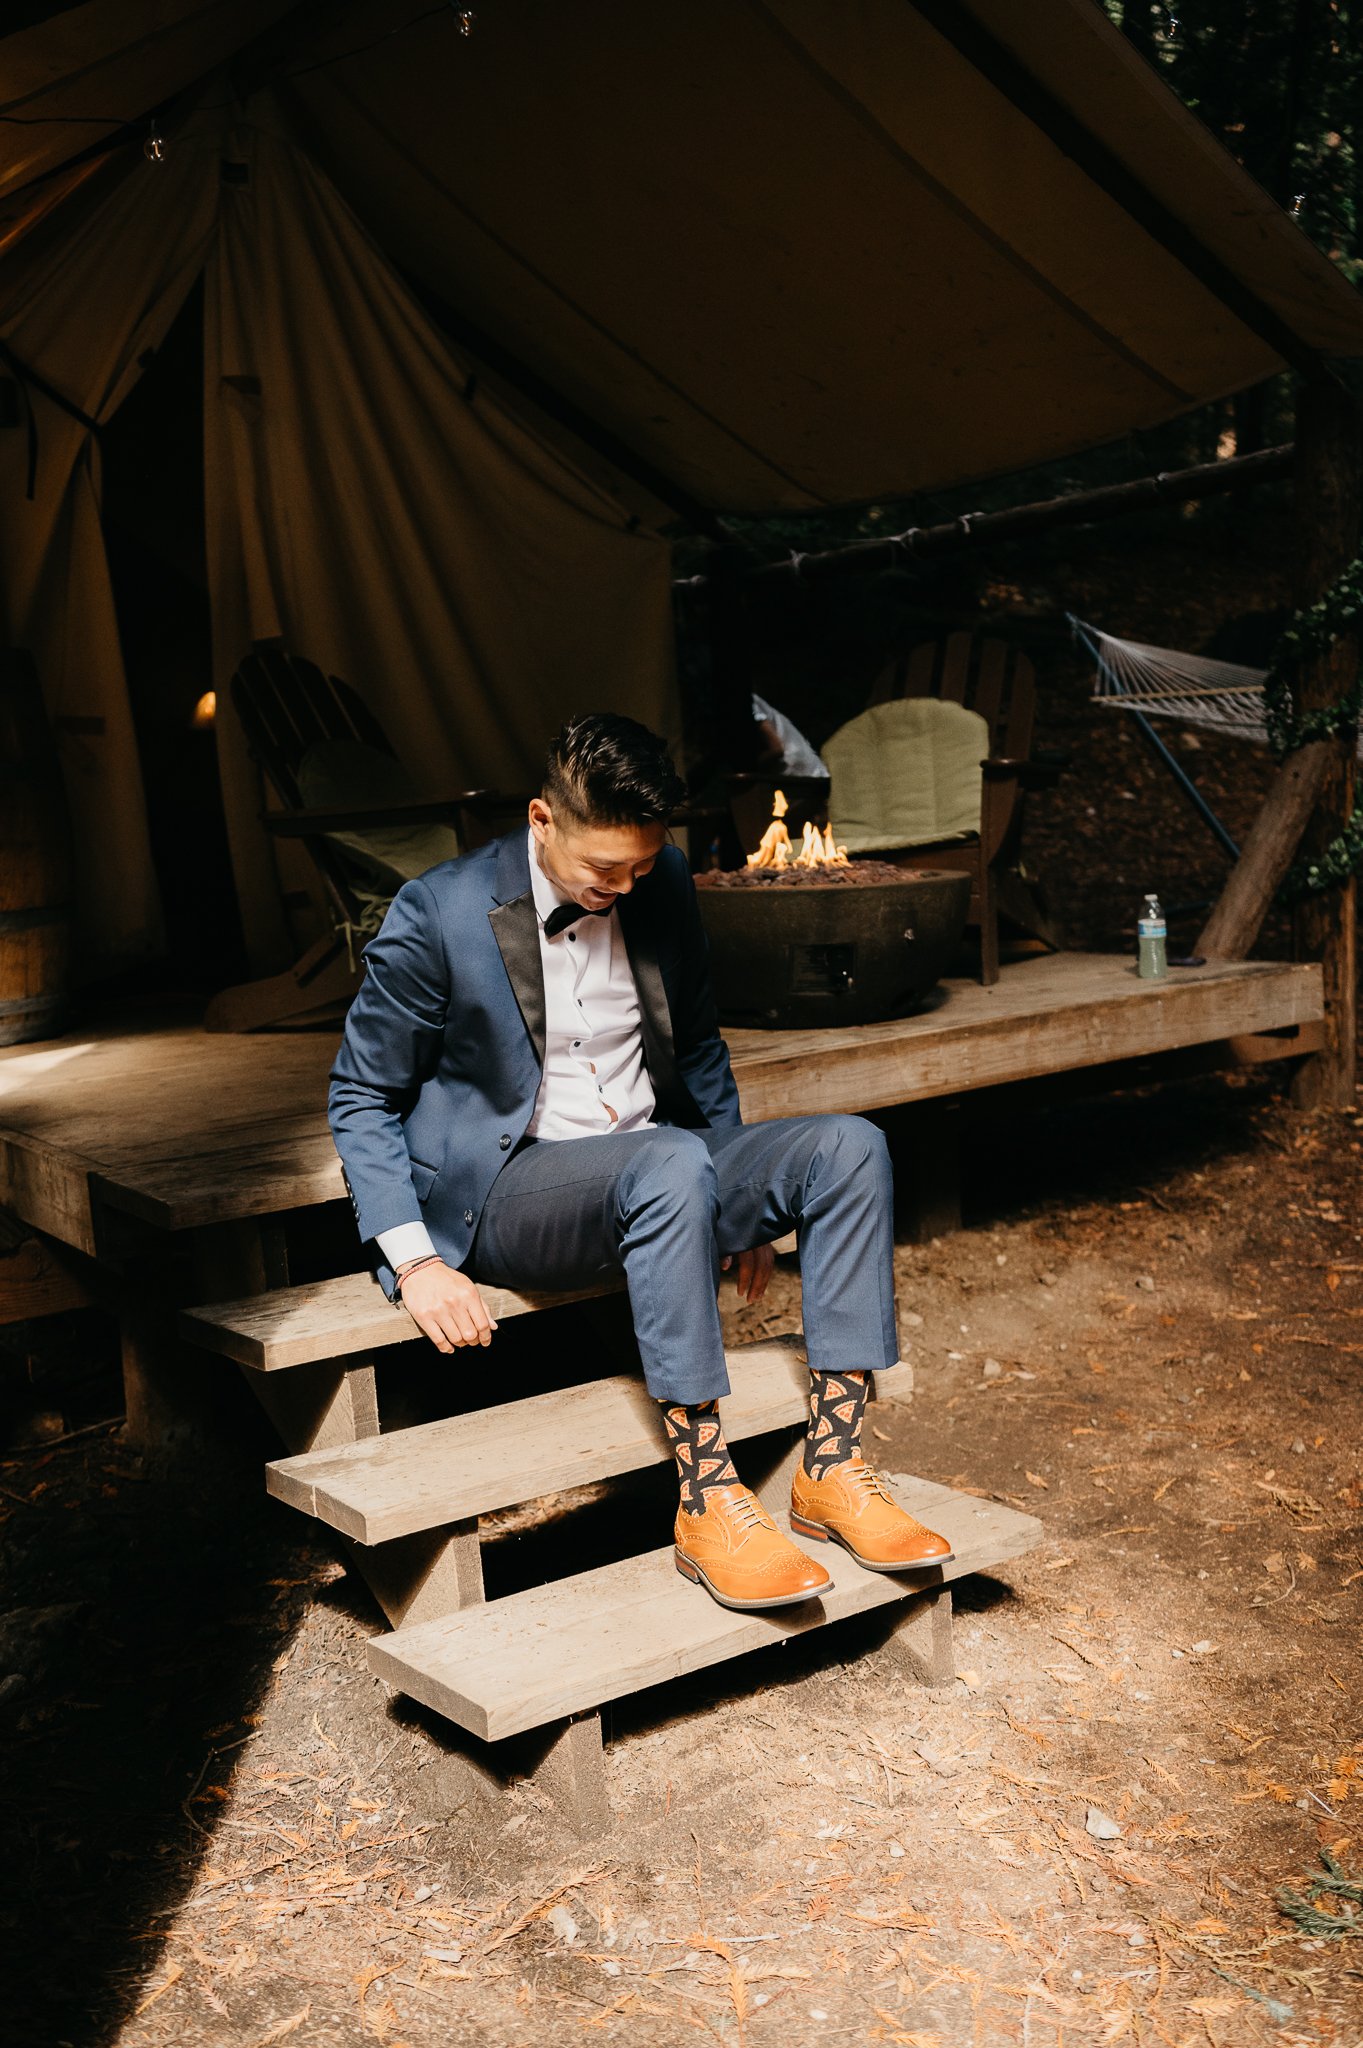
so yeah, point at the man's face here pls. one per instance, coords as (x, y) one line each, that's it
(593, 863)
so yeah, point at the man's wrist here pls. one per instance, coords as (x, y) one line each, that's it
(405, 1273)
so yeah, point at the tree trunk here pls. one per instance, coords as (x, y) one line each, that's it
(1327, 527)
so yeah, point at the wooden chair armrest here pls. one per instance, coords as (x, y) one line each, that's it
(1027, 773)
(998, 801)
(311, 824)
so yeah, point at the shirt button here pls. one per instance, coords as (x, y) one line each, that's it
(505, 1142)
(468, 1215)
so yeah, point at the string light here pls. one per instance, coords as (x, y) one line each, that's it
(465, 17)
(154, 148)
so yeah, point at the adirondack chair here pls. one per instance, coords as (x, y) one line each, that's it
(310, 734)
(955, 718)
(996, 680)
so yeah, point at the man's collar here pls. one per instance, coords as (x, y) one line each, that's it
(543, 888)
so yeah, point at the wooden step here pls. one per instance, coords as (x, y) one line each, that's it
(568, 1646)
(332, 1319)
(466, 1465)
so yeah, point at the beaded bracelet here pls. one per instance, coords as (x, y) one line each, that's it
(434, 1259)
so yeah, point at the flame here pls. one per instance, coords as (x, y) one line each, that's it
(817, 849)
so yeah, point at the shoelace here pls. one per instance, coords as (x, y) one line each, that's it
(749, 1514)
(870, 1483)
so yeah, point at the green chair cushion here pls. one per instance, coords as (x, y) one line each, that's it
(906, 773)
(338, 775)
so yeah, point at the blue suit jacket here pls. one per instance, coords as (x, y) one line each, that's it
(440, 1063)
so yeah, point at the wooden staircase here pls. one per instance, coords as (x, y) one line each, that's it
(406, 1506)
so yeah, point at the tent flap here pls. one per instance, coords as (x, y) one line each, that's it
(420, 542)
(782, 253)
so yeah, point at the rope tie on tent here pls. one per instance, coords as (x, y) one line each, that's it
(906, 539)
(30, 381)
(797, 563)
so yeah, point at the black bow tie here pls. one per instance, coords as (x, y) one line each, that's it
(569, 913)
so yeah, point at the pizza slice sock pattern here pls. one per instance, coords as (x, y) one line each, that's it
(703, 1461)
(837, 1403)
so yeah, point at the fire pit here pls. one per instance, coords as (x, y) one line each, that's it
(811, 937)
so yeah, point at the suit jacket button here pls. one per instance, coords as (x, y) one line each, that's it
(505, 1142)
(468, 1215)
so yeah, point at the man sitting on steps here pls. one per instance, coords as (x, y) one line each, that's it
(532, 1092)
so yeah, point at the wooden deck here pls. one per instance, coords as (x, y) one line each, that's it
(183, 1130)
(109, 1137)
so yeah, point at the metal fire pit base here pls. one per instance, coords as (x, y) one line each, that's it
(788, 956)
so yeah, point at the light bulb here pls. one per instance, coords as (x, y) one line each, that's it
(154, 148)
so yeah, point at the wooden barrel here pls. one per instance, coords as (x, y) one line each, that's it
(35, 864)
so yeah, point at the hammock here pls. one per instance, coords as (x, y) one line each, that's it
(1161, 682)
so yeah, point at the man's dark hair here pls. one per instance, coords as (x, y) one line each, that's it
(609, 770)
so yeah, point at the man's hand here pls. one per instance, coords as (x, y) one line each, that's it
(447, 1306)
(754, 1271)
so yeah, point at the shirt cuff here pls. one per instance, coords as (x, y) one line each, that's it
(405, 1241)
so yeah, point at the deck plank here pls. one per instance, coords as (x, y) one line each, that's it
(1050, 1016)
(567, 1646)
(465, 1465)
(181, 1128)
(339, 1318)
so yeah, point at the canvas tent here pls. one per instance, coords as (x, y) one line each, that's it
(484, 311)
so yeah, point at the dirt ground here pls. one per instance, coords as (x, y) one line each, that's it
(219, 1830)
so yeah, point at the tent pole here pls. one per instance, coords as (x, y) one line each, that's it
(1325, 926)
(1078, 508)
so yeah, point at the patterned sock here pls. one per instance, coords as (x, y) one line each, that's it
(702, 1455)
(837, 1402)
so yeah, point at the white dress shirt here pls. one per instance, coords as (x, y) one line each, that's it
(594, 1078)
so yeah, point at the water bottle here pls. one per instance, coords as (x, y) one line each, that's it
(1152, 962)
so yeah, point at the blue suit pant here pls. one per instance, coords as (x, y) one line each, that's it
(665, 1205)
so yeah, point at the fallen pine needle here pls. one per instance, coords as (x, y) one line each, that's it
(1082, 1655)
(283, 2028)
(367, 1977)
(172, 1976)
(591, 1875)
(738, 1990)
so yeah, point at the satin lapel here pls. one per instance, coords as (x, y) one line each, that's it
(517, 932)
(655, 1018)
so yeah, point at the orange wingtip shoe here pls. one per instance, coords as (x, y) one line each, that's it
(852, 1505)
(735, 1550)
